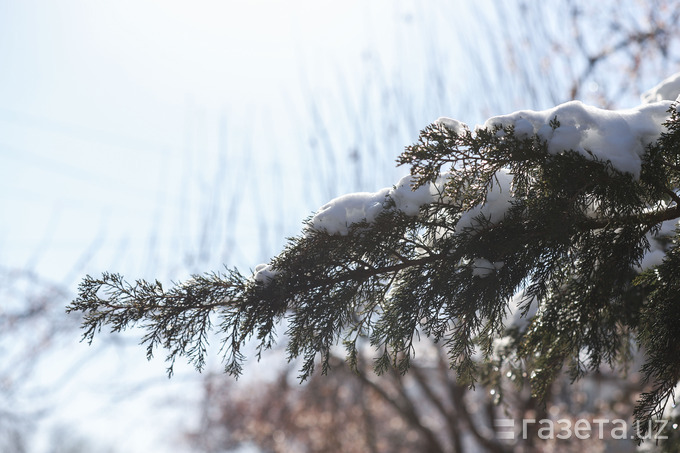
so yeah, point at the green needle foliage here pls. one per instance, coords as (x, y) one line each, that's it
(572, 243)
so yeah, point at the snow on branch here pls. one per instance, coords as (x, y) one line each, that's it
(574, 207)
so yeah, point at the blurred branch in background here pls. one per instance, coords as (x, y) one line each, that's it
(622, 47)
(33, 325)
(424, 410)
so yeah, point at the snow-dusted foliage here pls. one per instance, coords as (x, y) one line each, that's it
(564, 218)
(617, 136)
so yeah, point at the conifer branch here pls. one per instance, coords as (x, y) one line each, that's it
(674, 196)
(570, 230)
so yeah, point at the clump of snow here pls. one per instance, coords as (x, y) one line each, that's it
(264, 273)
(336, 216)
(667, 90)
(482, 267)
(498, 201)
(456, 126)
(657, 248)
(410, 201)
(516, 307)
(523, 128)
(499, 346)
(618, 136)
